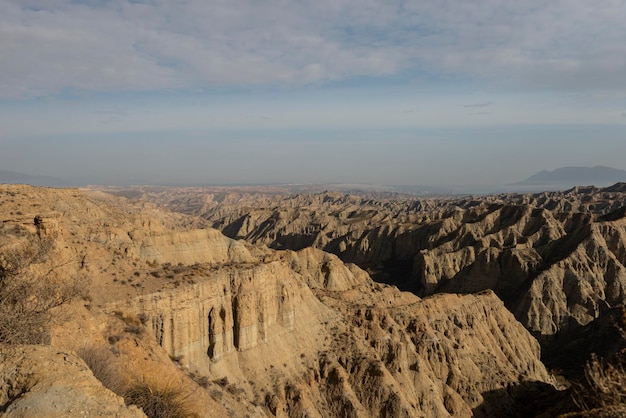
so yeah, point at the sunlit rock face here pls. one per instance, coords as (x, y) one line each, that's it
(294, 333)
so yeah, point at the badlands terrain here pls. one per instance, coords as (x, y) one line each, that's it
(260, 302)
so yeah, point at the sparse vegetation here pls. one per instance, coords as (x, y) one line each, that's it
(156, 398)
(159, 400)
(604, 385)
(143, 318)
(134, 323)
(135, 329)
(30, 289)
(202, 381)
(103, 365)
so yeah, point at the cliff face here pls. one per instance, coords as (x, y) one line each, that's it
(308, 335)
(188, 247)
(234, 310)
(556, 259)
(292, 333)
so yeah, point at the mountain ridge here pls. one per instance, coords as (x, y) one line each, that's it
(573, 175)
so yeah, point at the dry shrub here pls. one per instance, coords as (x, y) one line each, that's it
(202, 381)
(29, 290)
(105, 367)
(143, 318)
(159, 399)
(134, 323)
(135, 329)
(604, 384)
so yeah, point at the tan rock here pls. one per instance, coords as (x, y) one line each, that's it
(38, 381)
(287, 333)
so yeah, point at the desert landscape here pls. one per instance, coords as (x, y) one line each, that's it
(312, 209)
(258, 302)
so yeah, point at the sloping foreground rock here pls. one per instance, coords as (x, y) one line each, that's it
(39, 381)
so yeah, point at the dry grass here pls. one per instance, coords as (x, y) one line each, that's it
(135, 324)
(159, 399)
(604, 385)
(105, 367)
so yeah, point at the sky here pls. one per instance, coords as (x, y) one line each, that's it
(434, 92)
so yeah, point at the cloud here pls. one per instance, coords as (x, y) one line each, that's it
(59, 45)
(111, 116)
(483, 104)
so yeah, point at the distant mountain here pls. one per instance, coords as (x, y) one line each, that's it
(577, 176)
(13, 177)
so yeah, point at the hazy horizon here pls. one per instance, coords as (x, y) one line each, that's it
(439, 93)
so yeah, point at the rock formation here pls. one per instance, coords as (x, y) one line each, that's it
(39, 381)
(266, 332)
(336, 343)
(556, 258)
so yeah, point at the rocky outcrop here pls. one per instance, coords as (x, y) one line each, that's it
(324, 270)
(344, 345)
(38, 381)
(233, 310)
(186, 247)
(552, 273)
(285, 333)
(428, 358)
(604, 337)
(556, 259)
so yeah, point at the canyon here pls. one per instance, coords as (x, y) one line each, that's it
(264, 303)
(556, 259)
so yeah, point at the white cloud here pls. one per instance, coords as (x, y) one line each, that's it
(46, 47)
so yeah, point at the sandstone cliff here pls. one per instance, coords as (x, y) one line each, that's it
(308, 335)
(289, 333)
(556, 259)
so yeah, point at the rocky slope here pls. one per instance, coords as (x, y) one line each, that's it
(251, 331)
(556, 259)
(314, 341)
(48, 382)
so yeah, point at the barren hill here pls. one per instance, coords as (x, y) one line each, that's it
(244, 330)
(556, 259)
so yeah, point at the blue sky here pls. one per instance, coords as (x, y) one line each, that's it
(385, 92)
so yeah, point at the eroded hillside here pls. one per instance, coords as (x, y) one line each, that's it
(246, 330)
(556, 258)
